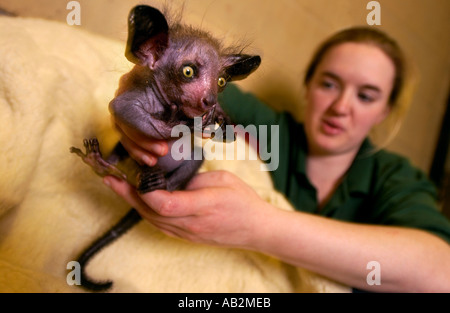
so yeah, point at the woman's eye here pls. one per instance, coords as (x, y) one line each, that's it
(327, 84)
(221, 82)
(188, 71)
(365, 97)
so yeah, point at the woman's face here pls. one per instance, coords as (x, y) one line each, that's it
(347, 95)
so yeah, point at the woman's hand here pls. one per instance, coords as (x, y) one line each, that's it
(141, 148)
(216, 208)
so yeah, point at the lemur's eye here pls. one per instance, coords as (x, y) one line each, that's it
(188, 71)
(221, 82)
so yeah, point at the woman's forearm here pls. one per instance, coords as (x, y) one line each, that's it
(406, 259)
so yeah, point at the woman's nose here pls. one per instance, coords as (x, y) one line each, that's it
(342, 103)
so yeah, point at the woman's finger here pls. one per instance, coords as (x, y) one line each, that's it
(213, 179)
(158, 203)
(173, 226)
(140, 145)
(137, 153)
(125, 190)
(178, 203)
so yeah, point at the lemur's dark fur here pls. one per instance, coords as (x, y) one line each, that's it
(177, 75)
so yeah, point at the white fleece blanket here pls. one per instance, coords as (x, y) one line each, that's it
(55, 85)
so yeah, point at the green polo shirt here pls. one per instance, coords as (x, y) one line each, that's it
(379, 188)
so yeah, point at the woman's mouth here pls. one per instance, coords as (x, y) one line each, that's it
(331, 128)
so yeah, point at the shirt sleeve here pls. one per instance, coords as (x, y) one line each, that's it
(406, 197)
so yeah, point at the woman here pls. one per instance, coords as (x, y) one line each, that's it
(354, 204)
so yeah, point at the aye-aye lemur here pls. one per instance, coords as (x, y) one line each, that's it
(177, 75)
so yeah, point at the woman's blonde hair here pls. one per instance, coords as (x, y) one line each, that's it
(399, 98)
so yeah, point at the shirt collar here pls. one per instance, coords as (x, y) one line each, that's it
(358, 177)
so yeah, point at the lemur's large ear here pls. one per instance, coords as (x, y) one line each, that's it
(148, 34)
(239, 66)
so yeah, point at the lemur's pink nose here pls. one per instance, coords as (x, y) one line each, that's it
(208, 101)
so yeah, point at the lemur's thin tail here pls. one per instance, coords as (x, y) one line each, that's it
(127, 222)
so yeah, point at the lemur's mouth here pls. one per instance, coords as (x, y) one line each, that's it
(208, 125)
(208, 117)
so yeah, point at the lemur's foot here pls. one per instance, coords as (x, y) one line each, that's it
(94, 159)
(151, 178)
